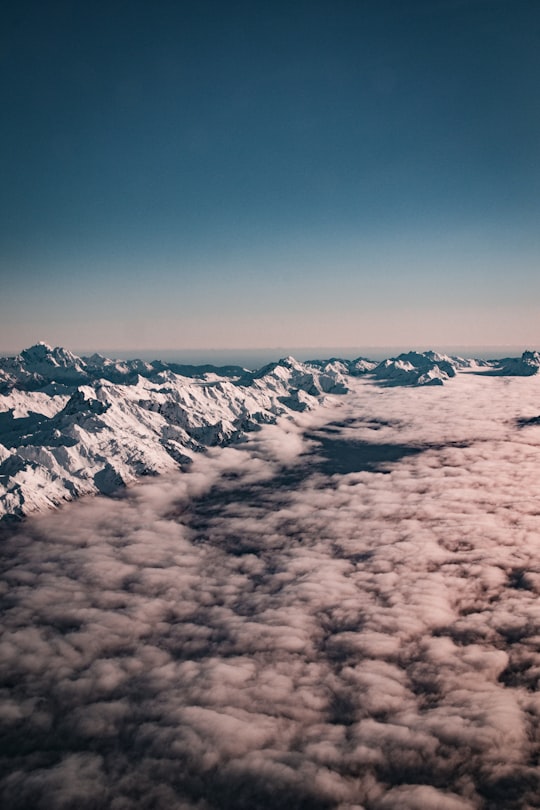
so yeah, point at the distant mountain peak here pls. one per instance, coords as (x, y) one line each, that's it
(38, 349)
(525, 366)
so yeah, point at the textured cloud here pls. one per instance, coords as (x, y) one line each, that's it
(309, 620)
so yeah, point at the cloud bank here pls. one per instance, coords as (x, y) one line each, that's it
(282, 628)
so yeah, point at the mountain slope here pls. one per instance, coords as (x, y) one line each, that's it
(65, 431)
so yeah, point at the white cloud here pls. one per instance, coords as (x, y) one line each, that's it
(248, 636)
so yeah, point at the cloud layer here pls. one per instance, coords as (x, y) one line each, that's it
(279, 628)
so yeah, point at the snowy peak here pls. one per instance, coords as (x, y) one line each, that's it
(43, 353)
(291, 374)
(40, 366)
(456, 361)
(524, 366)
(361, 366)
(38, 351)
(54, 365)
(415, 368)
(422, 368)
(353, 368)
(85, 400)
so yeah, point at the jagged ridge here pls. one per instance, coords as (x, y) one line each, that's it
(71, 425)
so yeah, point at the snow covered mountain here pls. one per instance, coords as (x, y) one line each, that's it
(413, 368)
(71, 425)
(422, 368)
(354, 368)
(524, 366)
(41, 365)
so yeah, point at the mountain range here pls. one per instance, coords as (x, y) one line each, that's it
(73, 425)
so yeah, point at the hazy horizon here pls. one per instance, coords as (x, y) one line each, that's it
(255, 357)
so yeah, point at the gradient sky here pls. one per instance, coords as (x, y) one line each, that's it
(250, 174)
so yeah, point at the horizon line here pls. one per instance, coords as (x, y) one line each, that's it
(288, 349)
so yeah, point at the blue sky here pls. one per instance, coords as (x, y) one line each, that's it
(253, 174)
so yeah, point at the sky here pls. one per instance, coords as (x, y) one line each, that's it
(212, 175)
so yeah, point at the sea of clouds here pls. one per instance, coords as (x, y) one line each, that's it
(341, 613)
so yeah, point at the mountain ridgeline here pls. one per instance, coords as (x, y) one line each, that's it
(73, 425)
